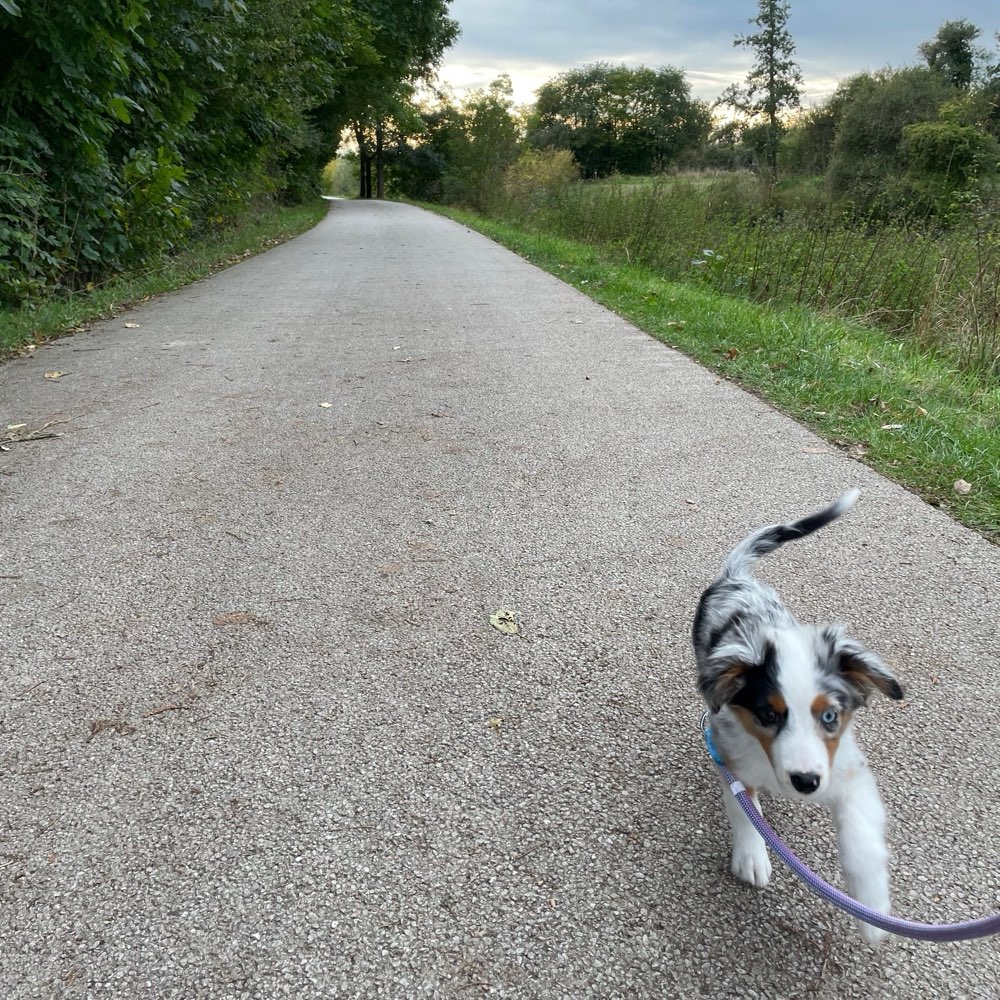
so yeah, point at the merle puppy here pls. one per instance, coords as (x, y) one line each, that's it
(781, 697)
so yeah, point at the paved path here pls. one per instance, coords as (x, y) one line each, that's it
(260, 740)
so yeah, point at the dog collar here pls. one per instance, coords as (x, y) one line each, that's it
(713, 750)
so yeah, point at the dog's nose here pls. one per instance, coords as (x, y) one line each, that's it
(806, 783)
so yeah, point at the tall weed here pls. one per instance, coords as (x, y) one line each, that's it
(789, 245)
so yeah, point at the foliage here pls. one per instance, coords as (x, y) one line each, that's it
(126, 126)
(617, 119)
(417, 169)
(488, 142)
(951, 53)
(461, 151)
(411, 37)
(537, 173)
(867, 159)
(340, 176)
(807, 144)
(774, 84)
(945, 159)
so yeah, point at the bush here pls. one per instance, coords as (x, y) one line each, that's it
(946, 161)
(536, 173)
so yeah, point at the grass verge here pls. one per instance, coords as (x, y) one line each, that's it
(910, 415)
(263, 229)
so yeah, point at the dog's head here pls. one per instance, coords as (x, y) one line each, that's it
(795, 689)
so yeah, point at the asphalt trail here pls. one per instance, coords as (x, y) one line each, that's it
(259, 739)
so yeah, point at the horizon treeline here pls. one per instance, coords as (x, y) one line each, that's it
(921, 141)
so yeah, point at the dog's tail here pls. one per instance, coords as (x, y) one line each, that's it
(766, 540)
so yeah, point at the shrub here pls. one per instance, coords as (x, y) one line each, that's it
(537, 172)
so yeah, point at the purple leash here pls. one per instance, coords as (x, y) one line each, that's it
(963, 931)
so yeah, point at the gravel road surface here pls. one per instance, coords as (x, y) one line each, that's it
(260, 739)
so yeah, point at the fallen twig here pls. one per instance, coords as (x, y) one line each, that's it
(18, 433)
(165, 708)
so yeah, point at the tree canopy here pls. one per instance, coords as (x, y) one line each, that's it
(951, 52)
(615, 118)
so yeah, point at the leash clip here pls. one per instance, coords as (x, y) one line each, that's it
(706, 731)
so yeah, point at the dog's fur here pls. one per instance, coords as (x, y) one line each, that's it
(782, 698)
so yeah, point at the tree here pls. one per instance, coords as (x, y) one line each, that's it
(989, 95)
(614, 118)
(410, 37)
(808, 142)
(491, 142)
(773, 85)
(463, 149)
(951, 52)
(868, 149)
(418, 163)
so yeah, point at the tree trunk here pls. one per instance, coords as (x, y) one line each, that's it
(364, 164)
(379, 164)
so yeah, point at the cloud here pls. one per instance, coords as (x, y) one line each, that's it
(533, 40)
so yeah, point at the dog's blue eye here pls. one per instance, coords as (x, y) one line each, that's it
(829, 717)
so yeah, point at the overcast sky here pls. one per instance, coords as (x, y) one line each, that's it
(533, 40)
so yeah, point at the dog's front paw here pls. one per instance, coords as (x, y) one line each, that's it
(871, 889)
(751, 864)
(873, 936)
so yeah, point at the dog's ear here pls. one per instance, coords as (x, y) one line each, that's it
(863, 670)
(723, 675)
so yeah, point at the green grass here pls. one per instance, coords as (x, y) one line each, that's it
(256, 232)
(905, 411)
(787, 245)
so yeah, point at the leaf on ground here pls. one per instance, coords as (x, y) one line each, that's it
(854, 449)
(52, 376)
(131, 326)
(504, 621)
(495, 723)
(237, 618)
(962, 487)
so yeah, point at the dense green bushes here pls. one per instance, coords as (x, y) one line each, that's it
(127, 124)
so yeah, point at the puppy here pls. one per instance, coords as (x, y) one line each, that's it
(781, 698)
